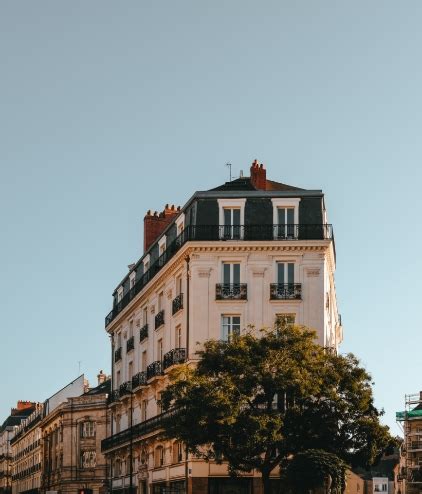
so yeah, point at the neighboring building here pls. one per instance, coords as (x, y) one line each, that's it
(72, 435)
(246, 253)
(409, 478)
(7, 431)
(27, 454)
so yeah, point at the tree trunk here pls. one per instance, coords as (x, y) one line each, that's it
(265, 482)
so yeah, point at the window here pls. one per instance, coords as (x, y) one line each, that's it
(159, 457)
(178, 285)
(231, 273)
(144, 409)
(161, 250)
(119, 293)
(88, 459)
(160, 349)
(144, 361)
(285, 218)
(144, 316)
(117, 467)
(87, 429)
(178, 338)
(230, 326)
(118, 381)
(130, 331)
(231, 218)
(160, 301)
(180, 224)
(130, 371)
(285, 273)
(119, 339)
(158, 401)
(177, 452)
(285, 319)
(146, 263)
(132, 277)
(117, 423)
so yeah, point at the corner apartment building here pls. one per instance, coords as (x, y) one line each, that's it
(7, 432)
(243, 254)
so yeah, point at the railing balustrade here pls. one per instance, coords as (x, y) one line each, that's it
(154, 370)
(139, 379)
(118, 354)
(130, 344)
(173, 357)
(143, 333)
(177, 303)
(231, 291)
(285, 291)
(219, 233)
(159, 319)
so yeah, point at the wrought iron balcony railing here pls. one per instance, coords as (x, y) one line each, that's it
(177, 303)
(415, 445)
(130, 344)
(173, 357)
(114, 396)
(155, 369)
(136, 431)
(139, 379)
(125, 388)
(211, 233)
(143, 333)
(159, 319)
(231, 291)
(286, 291)
(118, 354)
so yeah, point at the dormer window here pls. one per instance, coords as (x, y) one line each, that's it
(231, 218)
(180, 224)
(146, 263)
(286, 218)
(161, 250)
(132, 277)
(119, 293)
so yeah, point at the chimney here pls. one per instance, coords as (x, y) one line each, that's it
(156, 223)
(101, 377)
(258, 176)
(22, 405)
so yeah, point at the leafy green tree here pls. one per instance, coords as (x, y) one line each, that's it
(257, 400)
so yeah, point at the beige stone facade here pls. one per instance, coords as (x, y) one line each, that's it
(71, 435)
(205, 281)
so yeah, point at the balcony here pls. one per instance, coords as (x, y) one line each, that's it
(136, 431)
(125, 389)
(231, 291)
(154, 370)
(139, 379)
(114, 396)
(118, 354)
(174, 357)
(159, 319)
(210, 233)
(285, 291)
(130, 344)
(177, 304)
(143, 333)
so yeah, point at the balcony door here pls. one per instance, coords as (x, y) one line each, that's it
(285, 273)
(285, 227)
(231, 228)
(231, 273)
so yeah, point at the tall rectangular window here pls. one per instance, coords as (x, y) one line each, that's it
(232, 227)
(178, 339)
(178, 285)
(144, 410)
(160, 349)
(231, 273)
(230, 325)
(130, 371)
(285, 273)
(285, 223)
(144, 361)
(145, 316)
(160, 301)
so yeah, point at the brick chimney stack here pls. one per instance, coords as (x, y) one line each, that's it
(258, 175)
(22, 405)
(101, 377)
(155, 223)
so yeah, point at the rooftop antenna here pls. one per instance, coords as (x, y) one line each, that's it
(229, 165)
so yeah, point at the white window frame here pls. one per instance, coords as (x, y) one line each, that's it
(119, 294)
(279, 203)
(162, 244)
(132, 277)
(231, 316)
(180, 224)
(231, 204)
(146, 262)
(231, 263)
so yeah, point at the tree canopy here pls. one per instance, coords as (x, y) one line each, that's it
(258, 399)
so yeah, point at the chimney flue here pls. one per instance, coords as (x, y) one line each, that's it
(258, 176)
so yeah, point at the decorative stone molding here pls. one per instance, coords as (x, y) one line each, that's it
(204, 273)
(312, 272)
(258, 272)
(169, 293)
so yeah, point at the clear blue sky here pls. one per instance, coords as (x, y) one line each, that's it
(110, 108)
